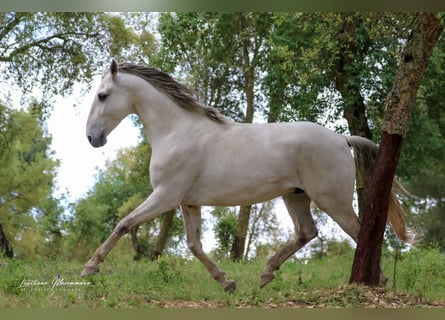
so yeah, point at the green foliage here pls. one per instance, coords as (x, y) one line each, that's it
(130, 38)
(217, 54)
(28, 213)
(124, 180)
(264, 230)
(53, 50)
(167, 272)
(319, 64)
(263, 233)
(430, 226)
(339, 248)
(421, 272)
(423, 152)
(224, 230)
(120, 187)
(300, 49)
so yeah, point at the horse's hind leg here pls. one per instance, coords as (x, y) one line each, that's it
(298, 206)
(340, 209)
(192, 222)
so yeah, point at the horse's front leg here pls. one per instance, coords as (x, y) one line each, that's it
(192, 223)
(156, 204)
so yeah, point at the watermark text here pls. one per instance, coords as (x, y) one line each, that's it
(57, 283)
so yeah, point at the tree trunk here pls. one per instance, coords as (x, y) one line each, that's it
(252, 233)
(347, 82)
(242, 222)
(425, 33)
(167, 221)
(4, 244)
(276, 101)
(242, 225)
(141, 249)
(366, 268)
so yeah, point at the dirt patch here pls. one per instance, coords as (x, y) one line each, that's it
(351, 296)
(361, 297)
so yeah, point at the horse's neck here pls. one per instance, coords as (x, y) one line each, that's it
(162, 119)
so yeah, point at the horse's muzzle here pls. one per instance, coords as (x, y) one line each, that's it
(97, 141)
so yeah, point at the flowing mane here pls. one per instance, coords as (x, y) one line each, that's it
(173, 89)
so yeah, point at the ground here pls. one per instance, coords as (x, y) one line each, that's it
(345, 296)
(174, 282)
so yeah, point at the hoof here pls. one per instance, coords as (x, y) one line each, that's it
(229, 286)
(89, 270)
(265, 279)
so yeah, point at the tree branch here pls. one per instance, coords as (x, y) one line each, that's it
(41, 44)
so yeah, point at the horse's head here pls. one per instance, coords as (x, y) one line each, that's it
(111, 104)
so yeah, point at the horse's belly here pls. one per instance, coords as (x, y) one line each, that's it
(238, 192)
(238, 175)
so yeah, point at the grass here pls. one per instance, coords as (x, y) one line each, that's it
(173, 281)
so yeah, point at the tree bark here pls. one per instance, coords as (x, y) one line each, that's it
(242, 222)
(418, 48)
(141, 249)
(347, 79)
(366, 268)
(167, 221)
(5, 246)
(347, 82)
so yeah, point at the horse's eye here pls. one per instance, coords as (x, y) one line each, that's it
(102, 96)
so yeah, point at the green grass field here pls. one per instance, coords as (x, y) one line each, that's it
(176, 282)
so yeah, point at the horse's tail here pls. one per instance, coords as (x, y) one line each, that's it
(365, 152)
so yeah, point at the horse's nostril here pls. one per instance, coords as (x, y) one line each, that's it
(90, 139)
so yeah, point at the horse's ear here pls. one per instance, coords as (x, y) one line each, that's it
(113, 68)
